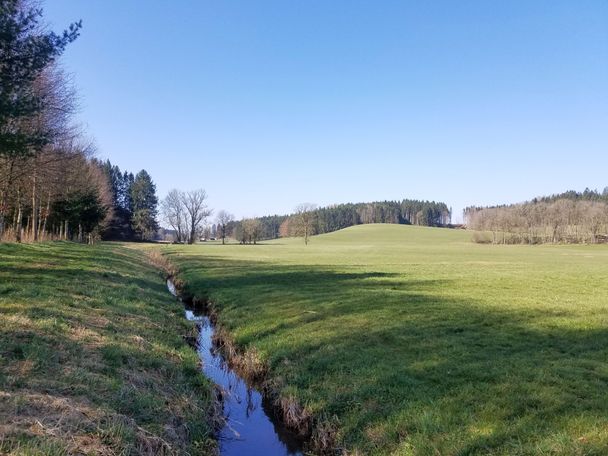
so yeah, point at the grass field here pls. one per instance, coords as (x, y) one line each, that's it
(91, 356)
(417, 341)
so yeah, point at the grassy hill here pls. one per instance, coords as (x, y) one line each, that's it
(415, 340)
(91, 356)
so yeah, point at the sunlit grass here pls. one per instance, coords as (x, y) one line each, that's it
(91, 356)
(418, 341)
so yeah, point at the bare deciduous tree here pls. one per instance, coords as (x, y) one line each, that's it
(197, 211)
(284, 228)
(561, 220)
(174, 213)
(223, 220)
(186, 213)
(304, 219)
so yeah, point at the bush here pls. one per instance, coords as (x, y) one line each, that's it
(482, 238)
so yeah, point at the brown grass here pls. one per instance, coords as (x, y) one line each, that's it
(62, 419)
(161, 262)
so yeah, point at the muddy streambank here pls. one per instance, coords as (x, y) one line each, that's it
(255, 419)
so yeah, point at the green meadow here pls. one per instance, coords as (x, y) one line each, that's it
(416, 341)
(92, 359)
(407, 340)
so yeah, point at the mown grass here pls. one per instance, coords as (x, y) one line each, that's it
(91, 356)
(416, 341)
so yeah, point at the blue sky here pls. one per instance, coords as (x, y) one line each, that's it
(267, 104)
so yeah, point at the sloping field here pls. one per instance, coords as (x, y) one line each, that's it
(91, 356)
(414, 340)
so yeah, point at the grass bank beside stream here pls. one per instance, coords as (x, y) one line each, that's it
(92, 359)
(416, 341)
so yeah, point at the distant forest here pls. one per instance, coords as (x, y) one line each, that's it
(336, 217)
(569, 217)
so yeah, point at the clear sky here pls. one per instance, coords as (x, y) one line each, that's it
(267, 104)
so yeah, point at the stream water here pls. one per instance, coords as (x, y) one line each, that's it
(251, 427)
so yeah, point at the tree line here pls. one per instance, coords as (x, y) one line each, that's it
(307, 219)
(51, 186)
(569, 217)
(47, 182)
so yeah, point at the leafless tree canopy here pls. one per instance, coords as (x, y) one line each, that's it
(224, 219)
(196, 210)
(304, 220)
(186, 213)
(173, 213)
(562, 220)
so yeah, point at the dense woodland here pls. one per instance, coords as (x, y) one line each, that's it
(570, 217)
(51, 187)
(336, 217)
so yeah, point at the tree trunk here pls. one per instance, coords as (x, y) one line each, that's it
(34, 226)
(18, 219)
(2, 212)
(192, 232)
(46, 212)
(3, 197)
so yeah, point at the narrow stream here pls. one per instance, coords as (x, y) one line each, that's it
(251, 427)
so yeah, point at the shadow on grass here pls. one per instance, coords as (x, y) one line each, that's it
(400, 364)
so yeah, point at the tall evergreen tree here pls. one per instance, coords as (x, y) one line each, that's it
(145, 203)
(120, 224)
(126, 201)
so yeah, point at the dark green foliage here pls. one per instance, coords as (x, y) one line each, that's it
(585, 195)
(134, 205)
(82, 209)
(120, 226)
(25, 52)
(269, 226)
(145, 203)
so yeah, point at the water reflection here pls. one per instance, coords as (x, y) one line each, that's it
(251, 428)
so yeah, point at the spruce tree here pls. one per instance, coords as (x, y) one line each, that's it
(144, 206)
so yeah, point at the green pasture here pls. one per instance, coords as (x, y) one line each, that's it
(415, 340)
